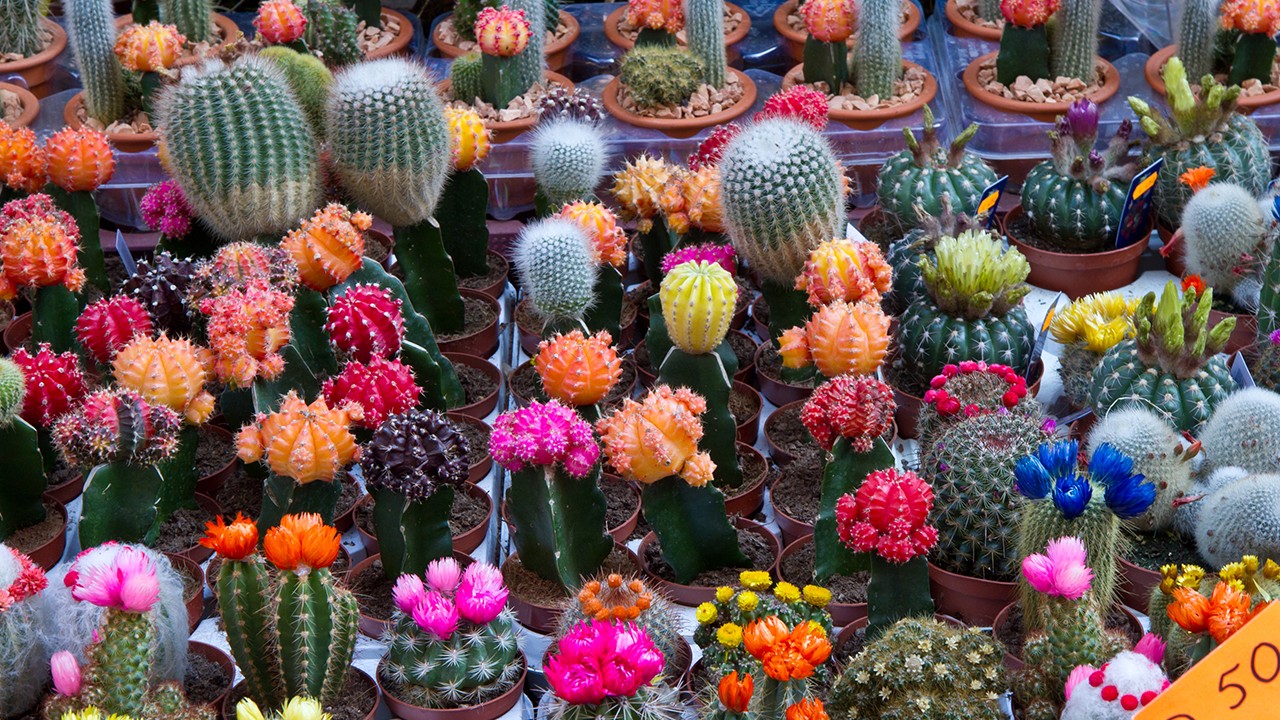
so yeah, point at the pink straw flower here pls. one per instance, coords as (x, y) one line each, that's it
(1077, 676)
(408, 592)
(66, 673)
(542, 435)
(437, 615)
(481, 594)
(1061, 571)
(443, 575)
(128, 582)
(1152, 647)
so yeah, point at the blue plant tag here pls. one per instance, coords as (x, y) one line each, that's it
(126, 257)
(986, 211)
(1240, 371)
(1136, 220)
(1042, 337)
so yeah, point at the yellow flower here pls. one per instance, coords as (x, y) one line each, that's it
(706, 613)
(729, 635)
(1250, 563)
(1099, 321)
(747, 601)
(301, 708)
(816, 596)
(723, 593)
(247, 709)
(1271, 570)
(786, 592)
(755, 580)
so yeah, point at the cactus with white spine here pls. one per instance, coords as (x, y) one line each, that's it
(1226, 235)
(1243, 432)
(1074, 42)
(309, 79)
(568, 158)
(1198, 36)
(91, 32)
(556, 265)
(531, 64)
(332, 31)
(1158, 452)
(240, 147)
(20, 34)
(465, 75)
(704, 30)
(192, 18)
(878, 54)
(24, 655)
(1240, 518)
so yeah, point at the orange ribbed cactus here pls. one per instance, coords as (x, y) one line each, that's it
(22, 159)
(845, 270)
(246, 330)
(830, 21)
(692, 199)
(840, 338)
(656, 15)
(638, 189)
(149, 48)
(469, 137)
(38, 244)
(169, 372)
(577, 369)
(79, 159)
(658, 437)
(329, 246)
(301, 441)
(502, 31)
(601, 225)
(280, 21)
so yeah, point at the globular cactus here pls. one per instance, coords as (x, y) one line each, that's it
(1198, 31)
(844, 270)
(1159, 453)
(332, 32)
(797, 101)
(1088, 328)
(390, 141)
(109, 324)
(704, 31)
(13, 391)
(556, 266)
(619, 598)
(168, 372)
(305, 443)
(503, 34)
(666, 16)
(24, 655)
(80, 159)
(903, 254)
(465, 75)
(1074, 41)
(21, 35)
(54, 383)
(1226, 235)
(577, 369)
(637, 694)
(243, 266)
(22, 159)
(1240, 518)
(971, 388)
(452, 643)
(839, 338)
(1123, 686)
(878, 53)
(329, 246)
(247, 329)
(918, 178)
(251, 168)
(661, 75)
(164, 207)
(193, 18)
(309, 79)
(830, 24)
(278, 22)
(560, 102)
(568, 158)
(365, 322)
(1243, 432)
(91, 33)
(38, 246)
(382, 387)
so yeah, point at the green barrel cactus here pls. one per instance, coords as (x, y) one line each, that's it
(925, 173)
(332, 32)
(904, 254)
(22, 497)
(91, 32)
(661, 75)
(1243, 432)
(556, 266)
(568, 158)
(193, 18)
(309, 79)
(466, 74)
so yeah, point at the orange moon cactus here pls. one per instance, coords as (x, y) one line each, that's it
(658, 437)
(80, 159)
(149, 48)
(638, 189)
(577, 369)
(845, 270)
(300, 441)
(22, 159)
(38, 244)
(328, 246)
(169, 372)
(840, 338)
(598, 222)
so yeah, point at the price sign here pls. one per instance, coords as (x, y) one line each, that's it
(1239, 680)
(986, 211)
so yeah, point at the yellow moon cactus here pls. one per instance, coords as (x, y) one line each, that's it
(301, 441)
(658, 437)
(840, 338)
(169, 372)
(845, 270)
(698, 300)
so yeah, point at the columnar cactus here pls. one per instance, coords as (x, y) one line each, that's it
(921, 175)
(830, 24)
(193, 18)
(91, 33)
(1265, 367)
(21, 34)
(24, 655)
(878, 52)
(464, 17)
(530, 65)
(1198, 36)
(332, 32)
(1159, 453)
(251, 168)
(568, 158)
(1024, 40)
(1226, 235)
(1255, 50)
(556, 266)
(661, 75)
(704, 30)
(1087, 329)
(22, 502)
(1074, 43)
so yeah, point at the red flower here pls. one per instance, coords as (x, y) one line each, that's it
(859, 409)
(1194, 282)
(889, 515)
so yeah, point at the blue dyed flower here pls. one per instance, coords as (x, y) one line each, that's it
(1036, 473)
(1033, 480)
(1071, 494)
(1128, 494)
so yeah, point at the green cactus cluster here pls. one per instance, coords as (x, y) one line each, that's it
(661, 75)
(476, 663)
(1072, 635)
(464, 16)
(1159, 453)
(91, 33)
(878, 52)
(466, 75)
(1172, 365)
(990, 10)
(193, 18)
(309, 79)
(556, 266)
(923, 174)
(1225, 234)
(332, 32)
(704, 33)
(20, 33)
(922, 669)
(568, 158)
(240, 147)
(1198, 31)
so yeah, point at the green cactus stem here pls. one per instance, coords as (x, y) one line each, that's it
(896, 591)
(20, 34)
(1074, 636)
(368, 11)
(192, 18)
(429, 277)
(1098, 529)
(466, 74)
(53, 317)
(461, 214)
(719, 429)
(826, 62)
(655, 243)
(500, 80)
(21, 502)
(92, 35)
(704, 31)
(243, 593)
(692, 526)
(119, 503)
(843, 474)
(1023, 51)
(606, 312)
(178, 471)
(145, 11)
(283, 496)
(1074, 49)
(1198, 32)
(878, 53)
(412, 534)
(81, 205)
(559, 523)
(1255, 54)
(530, 65)
(332, 32)
(661, 75)
(315, 631)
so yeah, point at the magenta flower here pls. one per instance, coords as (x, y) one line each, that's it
(165, 208)
(1077, 676)
(408, 592)
(127, 582)
(481, 593)
(437, 615)
(443, 575)
(575, 683)
(1151, 647)
(66, 673)
(711, 253)
(543, 435)
(1061, 571)
(636, 661)
(597, 659)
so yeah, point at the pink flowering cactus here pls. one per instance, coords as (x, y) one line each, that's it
(889, 515)
(481, 593)
(598, 659)
(1061, 571)
(27, 579)
(451, 596)
(544, 434)
(443, 575)
(165, 208)
(721, 255)
(127, 581)
(67, 679)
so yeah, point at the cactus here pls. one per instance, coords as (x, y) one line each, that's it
(21, 502)
(38, 248)
(1225, 235)
(609, 249)
(109, 324)
(309, 79)
(193, 18)
(968, 389)
(24, 655)
(840, 338)
(464, 16)
(878, 53)
(783, 193)
(465, 200)
(1024, 40)
(1170, 366)
(1135, 676)
(661, 75)
(91, 33)
(328, 247)
(639, 188)
(1087, 329)
(280, 22)
(971, 467)
(22, 159)
(292, 629)
(1073, 201)
(1198, 31)
(1265, 367)
(452, 643)
(923, 174)
(54, 384)
(1202, 130)
(1242, 433)
(411, 465)
(560, 102)
(619, 598)
(1161, 455)
(161, 285)
(637, 694)
(1073, 48)
(382, 388)
(555, 263)
(512, 52)
(466, 75)
(969, 690)
(247, 332)
(530, 65)
(903, 254)
(1255, 28)
(365, 323)
(830, 24)
(568, 158)
(21, 35)
(578, 370)
(80, 160)
(250, 169)
(332, 32)
(973, 311)
(704, 30)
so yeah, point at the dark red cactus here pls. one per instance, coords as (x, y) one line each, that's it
(112, 426)
(711, 149)
(54, 383)
(381, 387)
(801, 102)
(161, 286)
(365, 322)
(109, 324)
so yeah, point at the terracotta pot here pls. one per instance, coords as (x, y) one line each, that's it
(791, 528)
(399, 45)
(749, 427)
(543, 618)
(50, 553)
(1136, 585)
(761, 329)
(973, 600)
(499, 286)
(1174, 250)
(777, 391)
(37, 69)
(124, 142)
(694, 595)
(210, 484)
(1044, 112)
(908, 405)
(872, 119)
(464, 543)
(681, 127)
(195, 605)
(841, 613)
(500, 132)
(481, 408)
(198, 552)
(750, 499)
(30, 105)
(619, 533)
(557, 52)
(488, 710)
(1245, 333)
(229, 710)
(962, 26)
(776, 453)
(222, 660)
(1246, 104)
(18, 331)
(482, 342)
(67, 491)
(479, 470)
(613, 19)
(793, 40)
(1078, 274)
(1015, 663)
(346, 519)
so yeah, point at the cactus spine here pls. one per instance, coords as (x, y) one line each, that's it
(990, 10)
(1240, 518)
(704, 29)
(332, 32)
(878, 54)
(557, 269)
(915, 183)
(1075, 40)
(1198, 36)
(20, 34)
(91, 33)
(309, 79)
(315, 623)
(529, 65)
(192, 17)
(568, 159)
(661, 75)
(465, 75)
(1158, 453)
(1243, 432)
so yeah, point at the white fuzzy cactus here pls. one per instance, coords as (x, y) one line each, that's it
(1158, 452)
(1240, 518)
(1132, 674)
(1244, 432)
(1226, 235)
(24, 657)
(556, 265)
(568, 158)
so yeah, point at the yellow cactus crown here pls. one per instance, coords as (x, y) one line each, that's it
(638, 189)
(843, 269)
(1100, 321)
(169, 372)
(698, 300)
(469, 135)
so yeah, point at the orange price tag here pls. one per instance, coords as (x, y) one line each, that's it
(1239, 680)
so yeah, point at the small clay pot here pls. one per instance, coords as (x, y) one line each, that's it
(1044, 112)
(50, 553)
(488, 710)
(18, 331)
(67, 491)
(481, 342)
(229, 710)
(210, 484)
(693, 595)
(680, 127)
(874, 118)
(124, 142)
(198, 552)
(963, 27)
(222, 660)
(195, 605)
(793, 40)
(37, 69)
(499, 286)
(556, 52)
(1136, 585)
(481, 408)
(399, 45)
(973, 600)
(500, 132)
(543, 618)
(749, 427)
(841, 613)
(479, 470)
(1077, 274)
(776, 453)
(777, 391)
(1245, 104)
(613, 19)
(750, 498)
(908, 406)
(1015, 663)
(761, 329)
(30, 105)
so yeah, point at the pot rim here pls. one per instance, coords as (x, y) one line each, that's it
(1044, 112)
(680, 127)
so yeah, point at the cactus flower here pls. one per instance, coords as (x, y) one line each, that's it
(1051, 472)
(830, 21)
(692, 199)
(469, 137)
(543, 435)
(328, 246)
(577, 369)
(165, 208)
(109, 324)
(698, 300)
(786, 653)
(1255, 17)
(236, 541)
(658, 437)
(382, 388)
(67, 680)
(19, 578)
(79, 159)
(502, 31)
(735, 691)
(1152, 647)
(481, 594)
(1061, 571)
(807, 709)
(22, 159)
(857, 408)
(638, 189)
(301, 542)
(116, 426)
(712, 253)
(839, 338)
(149, 48)
(1028, 13)
(1100, 321)
(598, 659)
(38, 245)
(408, 592)
(443, 575)
(365, 322)
(616, 598)
(845, 270)
(1081, 122)
(888, 515)
(601, 226)
(300, 441)
(436, 615)
(1197, 178)
(166, 372)
(53, 383)
(665, 15)
(247, 329)
(127, 582)
(280, 21)
(798, 101)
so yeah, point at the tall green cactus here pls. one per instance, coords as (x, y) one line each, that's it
(529, 65)
(704, 30)
(332, 32)
(20, 33)
(1198, 36)
(193, 18)
(240, 146)
(91, 32)
(465, 74)
(878, 54)
(1073, 635)
(21, 500)
(1074, 44)
(990, 10)
(244, 599)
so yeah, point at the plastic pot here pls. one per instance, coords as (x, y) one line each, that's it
(1044, 112)
(1136, 585)
(1246, 104)
(973, 600)
(480, 408)
(1077, 274)
(481, 342)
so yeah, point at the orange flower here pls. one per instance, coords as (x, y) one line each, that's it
(736, 692)
(1228, 611)
(149, 48)
(657, 438)
(1194, 282)
(617, 598)
(576, 369)
(22, 159)
(761, 635)
(1028, 13)
(839, 338)
(1189, 609)
(301, 441)
(656, 15)
(236, 541)
(807, 710)
(302, 541)
(599, 223)
(1197, 178)
(328, 246)
(786, 655)
(80, 159)
(1256, 17)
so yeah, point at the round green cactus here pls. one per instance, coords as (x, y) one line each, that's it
(1225, 233)
(476, 663)
(568, 158)
(333, 32)
(923, 174)
(661, 75)
(309, 79)
(1243, 432)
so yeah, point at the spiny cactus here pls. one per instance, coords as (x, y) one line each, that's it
(923, 174)
(91, 33)
(466, 75)
(54, 383)
(247, 330)
(878, 53)
(1243, 432)
(24, 655)
(279, 22)
(1024, 40)
(1074, 42)
(557, 269)
(568, 158)
(1087, 328)
(1250, 31)
(329, 246)
(21, 33)
(365, 322)
(109, 324)
(1131, 679)
(309, 79)
(1159, 453)
(250, 169)
(636, 694)
(1170, 366)
(560, 102)
(1240, 518)
(1225, 235)
(704, 30)
(971, 388)
(332, 32)
(578, 369)
(620, 598)
(1198, 31)
(193, 18)
(382, 388)
(657, 75)
(530, 65)
(904, 253)
(839, 338)
(161, 285)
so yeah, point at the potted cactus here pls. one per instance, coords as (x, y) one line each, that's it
(1087, 329)
(194, 19)
(22, 504)
(332, 31)
(976, 19)
(638, 188)
(581, 689)
(609, 246)
(658, 21)
(1232, 41)
(55, 384)
(568, 157)
(24, 655)
(1028, 50)
(555, 262)
(454, 34)
(32, 41)
(789, 22)
(464, 204)
(1264, 361)
(624, 600)
(578, 370)
(43, 242)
